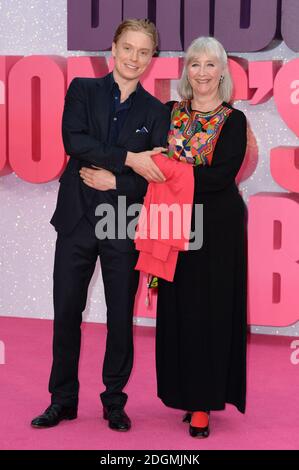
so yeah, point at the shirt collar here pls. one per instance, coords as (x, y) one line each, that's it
(113, 86)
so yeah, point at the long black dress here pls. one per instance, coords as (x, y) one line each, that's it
(201, 315)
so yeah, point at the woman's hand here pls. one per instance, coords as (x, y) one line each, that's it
(143, 164)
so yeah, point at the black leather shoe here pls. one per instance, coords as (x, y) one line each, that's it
(53, 415)
(187, 417)
(199, 432)
(117, 418)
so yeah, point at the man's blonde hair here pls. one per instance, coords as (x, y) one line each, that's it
(143, 25)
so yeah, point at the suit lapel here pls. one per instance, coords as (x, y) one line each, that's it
(133, 119)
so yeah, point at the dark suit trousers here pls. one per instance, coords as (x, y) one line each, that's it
(75, 259)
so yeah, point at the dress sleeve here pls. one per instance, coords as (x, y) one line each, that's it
(228, 156)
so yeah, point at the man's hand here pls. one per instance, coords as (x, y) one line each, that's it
(99, 179)
(143, 164)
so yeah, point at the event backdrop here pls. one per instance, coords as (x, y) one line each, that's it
(40, 38)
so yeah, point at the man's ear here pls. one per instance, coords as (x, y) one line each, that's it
(113, 47)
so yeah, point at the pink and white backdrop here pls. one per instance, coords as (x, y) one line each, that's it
(33, 43)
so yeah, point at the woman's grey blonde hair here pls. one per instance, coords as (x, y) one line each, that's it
(214, 48)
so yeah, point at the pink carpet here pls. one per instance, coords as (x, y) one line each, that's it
(271, 421)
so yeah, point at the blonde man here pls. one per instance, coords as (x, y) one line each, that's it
(110, 127)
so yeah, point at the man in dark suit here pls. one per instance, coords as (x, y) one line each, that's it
(111, 127)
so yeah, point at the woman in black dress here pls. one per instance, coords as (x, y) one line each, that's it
(201, 315)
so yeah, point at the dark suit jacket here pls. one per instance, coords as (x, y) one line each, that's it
(85, 127)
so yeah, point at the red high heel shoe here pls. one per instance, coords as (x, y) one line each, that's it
(197, 431)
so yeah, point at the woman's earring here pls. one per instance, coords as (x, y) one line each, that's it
(221, 78)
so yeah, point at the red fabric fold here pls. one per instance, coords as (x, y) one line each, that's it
(160, 238)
